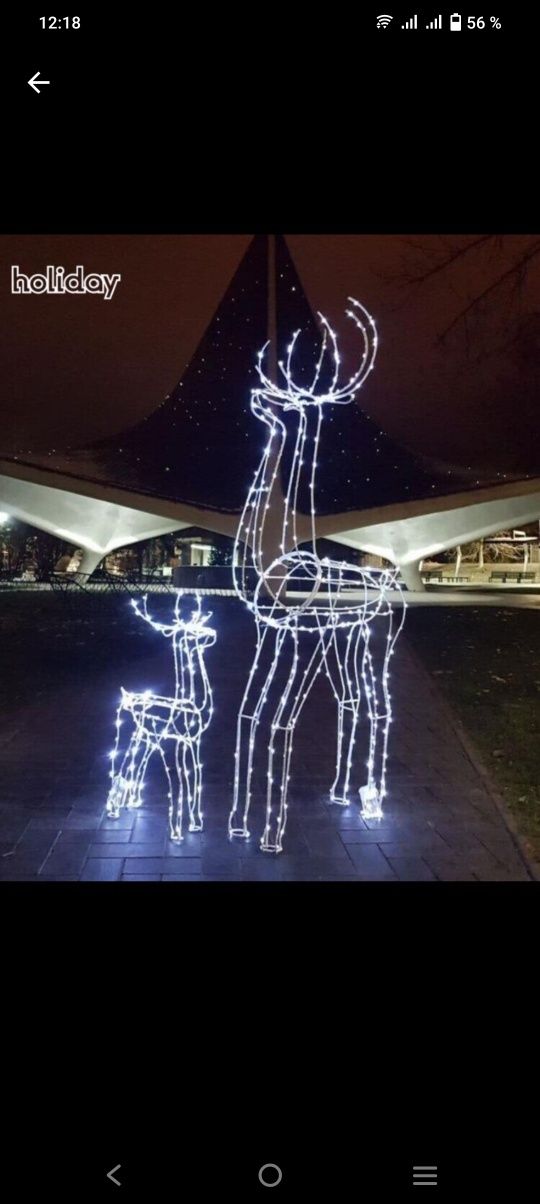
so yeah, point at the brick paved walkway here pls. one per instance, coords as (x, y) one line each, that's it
(441, 823)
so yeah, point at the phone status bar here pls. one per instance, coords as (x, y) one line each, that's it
(438, 22)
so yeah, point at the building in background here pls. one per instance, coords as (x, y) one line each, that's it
(188, 463)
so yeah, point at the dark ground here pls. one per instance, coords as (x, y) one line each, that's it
(61, 669)
(487, 663)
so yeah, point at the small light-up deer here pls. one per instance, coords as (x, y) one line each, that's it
(172, 727)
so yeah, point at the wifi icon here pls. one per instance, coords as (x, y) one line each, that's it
(383, 21)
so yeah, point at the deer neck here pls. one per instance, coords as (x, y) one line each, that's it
(260, 524)
(270, 524)
(302, 472)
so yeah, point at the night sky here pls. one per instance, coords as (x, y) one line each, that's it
(182, 330)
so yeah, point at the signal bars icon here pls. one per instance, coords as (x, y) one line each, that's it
(436, 23)
(412, 22)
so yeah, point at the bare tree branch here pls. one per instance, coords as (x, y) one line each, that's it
(453, 257)
(516, 273)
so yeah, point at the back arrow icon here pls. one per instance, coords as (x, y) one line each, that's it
(35, 81)
(110, 1175)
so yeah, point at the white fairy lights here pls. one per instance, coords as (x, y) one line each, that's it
(171, 726)
(299, 597)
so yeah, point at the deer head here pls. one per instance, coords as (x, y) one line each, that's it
(288, 395)
(193, 628)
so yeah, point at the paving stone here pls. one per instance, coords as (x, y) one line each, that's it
(412, 869)
(261, 869)
(346, 819)
(128, 849)
(317, 869)
(368, 861)
(368, 836)
(460, 841)
(69, 860)
(78, 821)
(126, 819)
(150, 827)
(56, 877)
(220, 864)
(98, 869)
(413, 847)
(190, 846)
(71, 842)
(500, 844)
(184, 878)
(108, 836)
(18, 869)
(501, 873)
(325, 845)
(164, 865)
(449, 869)
(36, 844)
(12, 832)
(45, 823)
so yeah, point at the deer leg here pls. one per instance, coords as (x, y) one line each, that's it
(119, 788)
(132, 770)
(138, 768)
(191, 761)
(182, 785)
(122, 789)
(281, 744)
(375, 668)
(253, 702)
(342, 669)
(170, 765)
(184, 765)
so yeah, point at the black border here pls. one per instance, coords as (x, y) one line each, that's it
(417, 996)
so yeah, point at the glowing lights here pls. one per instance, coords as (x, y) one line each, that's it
(298, 597)
(171, 726)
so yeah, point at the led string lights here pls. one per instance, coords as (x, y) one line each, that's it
(301, 598)
(172, 727)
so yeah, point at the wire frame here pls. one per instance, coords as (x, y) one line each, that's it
(313, 615)
(169, 726)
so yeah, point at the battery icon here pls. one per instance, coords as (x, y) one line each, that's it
(455, 21)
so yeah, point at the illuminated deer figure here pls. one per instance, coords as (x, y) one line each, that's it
(336, 630)
(171, 727)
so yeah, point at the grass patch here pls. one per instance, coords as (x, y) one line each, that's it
(486, 662)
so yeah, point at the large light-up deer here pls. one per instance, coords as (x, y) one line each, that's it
(300, 600)
(172, 726)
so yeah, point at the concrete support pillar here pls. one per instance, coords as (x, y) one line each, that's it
(90, 561)
(411, 575)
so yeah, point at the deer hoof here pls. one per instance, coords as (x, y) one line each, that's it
(371, 803)
(342, 801)
(239, 833)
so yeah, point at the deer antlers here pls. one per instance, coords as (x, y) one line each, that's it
(196, 625)
(298, 395)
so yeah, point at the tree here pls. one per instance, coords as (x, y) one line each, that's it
(23, 546)
(222, 550)
(489, 275)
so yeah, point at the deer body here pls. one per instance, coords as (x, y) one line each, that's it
(300, 600)
(171, 726)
